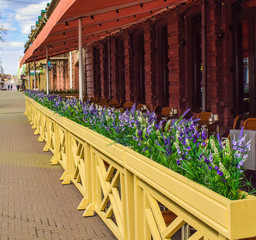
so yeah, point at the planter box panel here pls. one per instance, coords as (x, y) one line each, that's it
(181, 213)
(243, 218)
(214, 216)
(181, 190)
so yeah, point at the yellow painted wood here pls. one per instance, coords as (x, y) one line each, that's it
(130, 186)
(63, 176)
(175, 226)
(156, 211)
(89, 211)
(67, 180)
(196, 236)
(127, 191)
(152, 225)
(83, 204)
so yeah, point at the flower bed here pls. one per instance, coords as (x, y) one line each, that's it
(179, 145)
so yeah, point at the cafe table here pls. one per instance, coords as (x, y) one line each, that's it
(210, 126)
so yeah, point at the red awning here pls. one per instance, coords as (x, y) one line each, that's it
(100, 18)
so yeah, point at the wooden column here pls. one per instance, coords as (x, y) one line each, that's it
(34, 74)
(204, 57)
(80, 54)
(47, 70)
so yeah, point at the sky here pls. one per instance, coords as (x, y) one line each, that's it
(17, 16)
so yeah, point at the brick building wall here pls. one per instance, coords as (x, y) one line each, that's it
(180, 60)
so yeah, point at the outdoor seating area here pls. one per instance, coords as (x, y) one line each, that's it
(149, 108)
(116, 167)
(208, 121)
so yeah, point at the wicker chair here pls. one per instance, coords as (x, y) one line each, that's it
(250, 124)
(93, 99)
(113, 103)
(142, 107)
(128, 104)
(204, 116)
(166, 111)
(237, 121)
(102, 102)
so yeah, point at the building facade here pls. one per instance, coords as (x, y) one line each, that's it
(159, 61)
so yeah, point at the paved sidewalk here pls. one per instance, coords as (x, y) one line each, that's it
(33, 202)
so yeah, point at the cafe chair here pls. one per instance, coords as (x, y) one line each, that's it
(85, 99)
(127, 105)
(239, 121)
(113, 102)
(204, 122)
(102, 102)
(143, 107)
(166, 111)
(250, 124)
(204, 116)
(94, 99)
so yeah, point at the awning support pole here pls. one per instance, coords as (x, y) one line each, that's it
(204, 57)
(34, 74)
(81, 65)
(71, 70)
(109, 68)
(29, 87)
(47, 70)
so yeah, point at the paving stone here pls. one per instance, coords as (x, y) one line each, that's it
(33, 202)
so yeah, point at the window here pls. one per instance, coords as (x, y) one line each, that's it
(106, 70)
(120, 70)
(96, 72)
(138, 67)
(162, 73)
(196, 63)
(244, 17)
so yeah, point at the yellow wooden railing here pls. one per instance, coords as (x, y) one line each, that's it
(136, 197)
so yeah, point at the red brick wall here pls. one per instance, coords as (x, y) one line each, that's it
(219, 79)
(89, 71)
(127, 62)
(174, 63)
(219, 60)
(113, 67)
(148, 64)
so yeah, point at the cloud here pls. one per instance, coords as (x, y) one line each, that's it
(9, 61)
(8, 27)
(27, 16)
(16, 44)
(30, 12)
(26, 28)
(11, 46)
(18, 19)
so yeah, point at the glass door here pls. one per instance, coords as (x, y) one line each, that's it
(245, 45)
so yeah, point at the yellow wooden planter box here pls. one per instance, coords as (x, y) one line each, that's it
(132, 193)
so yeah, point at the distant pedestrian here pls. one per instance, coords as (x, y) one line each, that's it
(8, 86)
(11, 87)
(18, 87)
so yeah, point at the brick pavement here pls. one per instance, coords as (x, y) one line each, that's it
(33, 202)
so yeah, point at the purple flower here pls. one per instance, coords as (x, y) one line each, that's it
(241, 133)
(185, 113)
